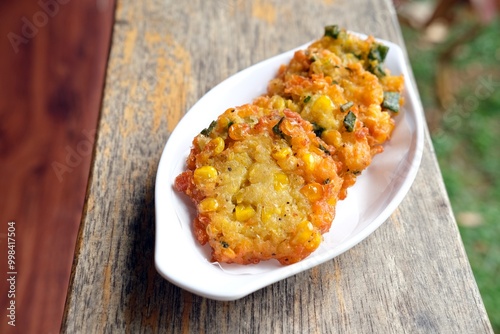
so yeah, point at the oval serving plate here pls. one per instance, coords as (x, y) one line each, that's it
(377, 193)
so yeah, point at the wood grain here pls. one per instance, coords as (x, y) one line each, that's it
(411, 275)
(52, 69)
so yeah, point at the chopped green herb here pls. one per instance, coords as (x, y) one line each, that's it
(349, 121)
(224, 244)
(318, 130)
(206, 132)
(378, 52)
(229, 124)
(335, 82)
(277, 130)
(332, 31)
(327, 181)
(358, 56)
(346, 106)
(391, 101)
(376, 69)
(376, 57)
(307, 99)
(324, 149)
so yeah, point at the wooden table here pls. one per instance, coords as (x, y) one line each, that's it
(412, 275)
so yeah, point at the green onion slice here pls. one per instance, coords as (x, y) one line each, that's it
(378, 52)
(391, 101)
(277, 130)
(332, 31)
(350, 121)
(318, 130)
(346, 106)
(206, 132)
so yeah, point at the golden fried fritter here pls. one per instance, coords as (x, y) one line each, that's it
(339, 85)
(267, 194)
(266, 176)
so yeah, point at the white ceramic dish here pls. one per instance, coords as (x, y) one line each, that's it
(377, 193)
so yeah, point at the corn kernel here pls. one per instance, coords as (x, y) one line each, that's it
(309, 161)
(277, 102)
(266, 214)
(292, 106)
(332, 137)
(222, 121)
(238, 131)
(313, 241)
(269, 212)
(208, 204)
(313, 191)
(280, 181)
(332, 201)
(323, 104)
(228, 253)
(205, 174)
(282, 153)
(288, 164)
(218, 145)
(243, 212)
(305, 231)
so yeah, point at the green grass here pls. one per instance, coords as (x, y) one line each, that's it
(465, 136)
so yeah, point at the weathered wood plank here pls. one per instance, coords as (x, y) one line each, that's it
(411, 275)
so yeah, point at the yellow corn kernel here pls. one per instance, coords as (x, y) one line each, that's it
(323, 104)
(228, 253)
(309, 161)
(282, 153)
(266, 214)
(222, 121)
(208, 204)
(292, 106)
(289, 164)
(280, 181)
(313, 241)
(332, 137)
(313, 191)
(304, 232)
(238, 131)
(269, 212)
(277, 102)
(205, 174)
(243, 212)
(332, 201)
(218, 145)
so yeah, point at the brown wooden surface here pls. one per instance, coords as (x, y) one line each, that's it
(411, 275)
(51, 81)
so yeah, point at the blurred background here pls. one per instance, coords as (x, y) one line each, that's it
(454, 50)
(52, 72)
